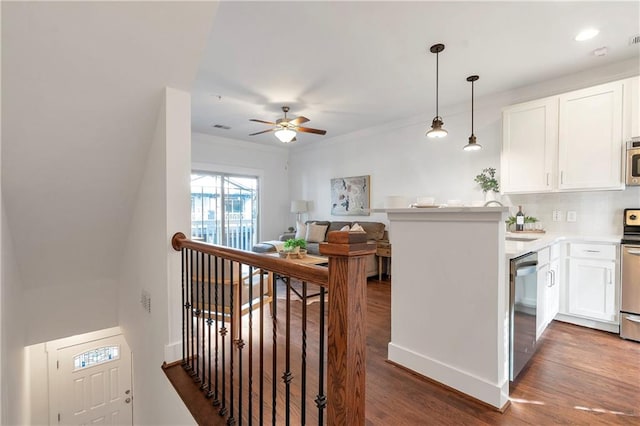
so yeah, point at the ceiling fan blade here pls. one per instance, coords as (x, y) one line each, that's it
(262, 121)
(264, 131)
(299, 120)
(310, 130)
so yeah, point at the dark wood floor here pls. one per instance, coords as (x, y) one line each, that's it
(578, 376)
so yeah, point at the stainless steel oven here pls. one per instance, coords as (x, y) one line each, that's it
(633, 162)
(630, 277)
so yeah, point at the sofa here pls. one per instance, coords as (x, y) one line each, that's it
(316, 232)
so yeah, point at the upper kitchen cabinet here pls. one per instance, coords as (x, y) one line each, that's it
(590, 138)
(569, 142)
(530, 140)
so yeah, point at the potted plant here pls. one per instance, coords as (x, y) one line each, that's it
(295, 246)
(488, 183)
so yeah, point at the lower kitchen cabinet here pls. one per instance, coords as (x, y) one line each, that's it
(553, 290)
(592, 289)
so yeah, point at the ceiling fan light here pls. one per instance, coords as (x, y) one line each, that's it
(472, 145)
(436, 129)
(285, 135)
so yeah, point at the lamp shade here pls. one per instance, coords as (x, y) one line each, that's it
(298, 206)
(285, 135)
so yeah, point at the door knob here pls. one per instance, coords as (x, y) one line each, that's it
(128, 400)
(127, 392)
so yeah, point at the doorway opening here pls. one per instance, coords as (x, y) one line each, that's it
(224, 209)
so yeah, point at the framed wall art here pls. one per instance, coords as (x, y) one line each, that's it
(350, 196)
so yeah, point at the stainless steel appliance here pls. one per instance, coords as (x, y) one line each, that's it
(523, 306)
(633, 162)
(630, 277)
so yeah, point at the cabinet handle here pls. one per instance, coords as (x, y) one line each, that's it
(636, 252)
(631, 318)
(591, 251)
(553, 278)
(550, 279)
(610, 276)
(547, 178)
(562, 177)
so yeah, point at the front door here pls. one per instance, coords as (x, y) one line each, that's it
(93, 383)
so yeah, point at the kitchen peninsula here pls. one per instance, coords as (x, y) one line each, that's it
(450, 298)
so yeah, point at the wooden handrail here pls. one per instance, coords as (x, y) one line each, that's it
(311, 273)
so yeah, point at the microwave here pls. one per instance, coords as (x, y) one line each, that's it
(633, 162)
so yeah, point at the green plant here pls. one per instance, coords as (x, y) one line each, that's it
(292, 243)
(487, 180)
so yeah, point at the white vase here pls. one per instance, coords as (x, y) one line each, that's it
(491, 196)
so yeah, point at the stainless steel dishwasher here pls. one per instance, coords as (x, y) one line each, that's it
(523, 306)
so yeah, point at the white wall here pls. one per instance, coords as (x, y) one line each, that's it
(402, 161)
(270, 163)
(149, 263)
(13, 385)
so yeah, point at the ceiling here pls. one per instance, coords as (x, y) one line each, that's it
(353, 65)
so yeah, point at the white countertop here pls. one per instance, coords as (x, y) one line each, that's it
(540, 241)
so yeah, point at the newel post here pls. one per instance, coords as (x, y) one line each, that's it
(346, 347)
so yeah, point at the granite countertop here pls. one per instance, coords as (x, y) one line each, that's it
(540, 241)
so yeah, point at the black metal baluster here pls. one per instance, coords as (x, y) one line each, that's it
(287, 376)
(223, 334)
(209, 323)
(216, 399)
(201, 318)
(261, 355)
(193, 352)
(274, 349)
(187, 309)
(321, 398)
(240, 344)
(183, 255)
(231, 420)
(196, 353)
(250, 339)
(303, 367)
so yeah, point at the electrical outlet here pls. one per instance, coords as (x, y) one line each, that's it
(557, 216)
(571, 216)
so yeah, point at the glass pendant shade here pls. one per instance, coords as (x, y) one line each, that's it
(436, 129)
(472, 145)
(285, 135)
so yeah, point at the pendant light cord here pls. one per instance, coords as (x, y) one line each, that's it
(472, 107)
(437, 83)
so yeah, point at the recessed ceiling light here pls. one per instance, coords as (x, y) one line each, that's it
(587, 34)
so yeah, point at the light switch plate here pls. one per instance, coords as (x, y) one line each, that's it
(571, 216)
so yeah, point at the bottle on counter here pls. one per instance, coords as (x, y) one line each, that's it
(520, 219)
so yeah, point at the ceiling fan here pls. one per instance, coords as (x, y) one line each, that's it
(285, 129)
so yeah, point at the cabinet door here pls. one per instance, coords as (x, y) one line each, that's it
(590, 138)
(552, 305)
(541, 307)
(592, 291)
(529, 146)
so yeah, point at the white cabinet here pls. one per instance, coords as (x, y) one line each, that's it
(529, 144)
(548, 287)
(592, 289)
(590, 138)
(568, 142)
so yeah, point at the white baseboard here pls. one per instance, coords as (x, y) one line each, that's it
(490, 393)
(173, 352)
(591, 323)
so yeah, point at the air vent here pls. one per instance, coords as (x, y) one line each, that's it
(634, 40)
(221, 126)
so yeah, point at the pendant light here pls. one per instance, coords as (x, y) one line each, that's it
(472, 145)
(436, 126)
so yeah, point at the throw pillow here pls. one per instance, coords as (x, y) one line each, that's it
(301, 230)
(345, 228)
(315, 233)
(357, 228)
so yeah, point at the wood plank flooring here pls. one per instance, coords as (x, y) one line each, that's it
(579, 376)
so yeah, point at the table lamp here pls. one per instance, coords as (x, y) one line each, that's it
(297, 207)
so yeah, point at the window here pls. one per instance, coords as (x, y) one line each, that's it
(95, 357)
(224, 209)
